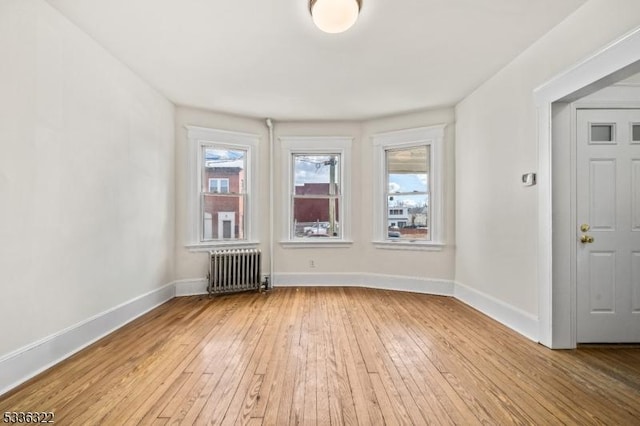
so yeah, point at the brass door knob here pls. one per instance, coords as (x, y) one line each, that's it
(586, 239)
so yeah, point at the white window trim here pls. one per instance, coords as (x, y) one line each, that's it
(291, 145)
(202, 137)
(432, 136)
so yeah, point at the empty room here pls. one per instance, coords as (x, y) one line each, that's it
(320, 212)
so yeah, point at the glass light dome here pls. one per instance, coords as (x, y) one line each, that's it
(334, 16)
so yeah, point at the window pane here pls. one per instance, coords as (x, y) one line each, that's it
(316, 217)
(316, 174)
(635, 130)
(408, 177)
(224, 170)
(602, 132)
(408, 169)
(223, 217)
(408, 217)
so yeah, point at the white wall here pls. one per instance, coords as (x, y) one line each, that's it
(496, 141)
(343, 265)
(620, 94)
(86, 178)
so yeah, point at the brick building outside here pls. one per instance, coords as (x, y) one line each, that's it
(312, 215)
(223, 209)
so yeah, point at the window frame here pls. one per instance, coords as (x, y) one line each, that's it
(198, 139)
(433, 137)
(219, 187)
(315, 145)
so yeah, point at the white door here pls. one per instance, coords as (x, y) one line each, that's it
(608, 221)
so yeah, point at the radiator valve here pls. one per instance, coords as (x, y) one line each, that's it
(265, 283)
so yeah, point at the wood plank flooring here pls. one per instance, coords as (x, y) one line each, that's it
(331, 356)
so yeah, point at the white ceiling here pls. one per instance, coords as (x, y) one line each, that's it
(265, 58)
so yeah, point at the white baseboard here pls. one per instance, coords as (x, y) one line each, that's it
(514, 318)
(380, 281)
(25, 363)
(411, 284)
(29, 361)
(347, 279)
(191, 287)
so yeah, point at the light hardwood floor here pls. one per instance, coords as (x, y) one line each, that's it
(331, 356)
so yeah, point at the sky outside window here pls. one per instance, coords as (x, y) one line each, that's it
(407, 173)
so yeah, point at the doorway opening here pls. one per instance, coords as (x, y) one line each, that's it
(557, 162)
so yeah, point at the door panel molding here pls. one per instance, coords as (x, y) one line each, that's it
(635, 195)
(635, 279)
(602, 267)
(602, 197)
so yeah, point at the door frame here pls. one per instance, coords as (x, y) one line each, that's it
(554, 297)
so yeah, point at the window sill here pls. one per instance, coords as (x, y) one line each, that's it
(208, 246)
(408, 245)
(316, 244)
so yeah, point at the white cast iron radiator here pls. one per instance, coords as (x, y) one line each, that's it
(234, 270)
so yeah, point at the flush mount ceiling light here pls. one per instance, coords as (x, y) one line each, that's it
(334, 16)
